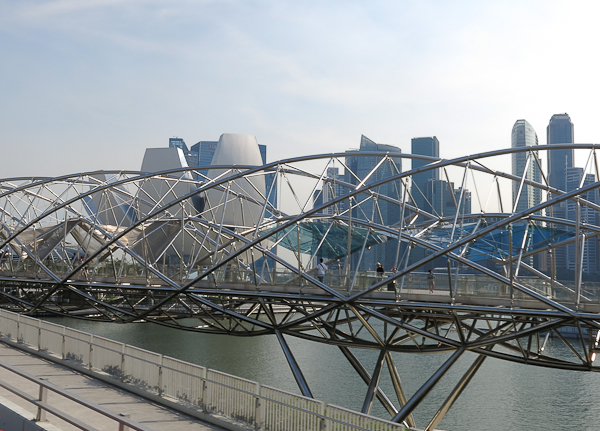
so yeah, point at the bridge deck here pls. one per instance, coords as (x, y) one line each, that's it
(470, 289)
(141, 410)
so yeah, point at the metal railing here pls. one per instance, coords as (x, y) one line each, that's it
(206, 390)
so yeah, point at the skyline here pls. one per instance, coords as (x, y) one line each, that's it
(89, 86)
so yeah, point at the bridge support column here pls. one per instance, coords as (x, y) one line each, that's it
(462, 384)
(296, 371)
(368, 404)
(395, 377)
(427, 387)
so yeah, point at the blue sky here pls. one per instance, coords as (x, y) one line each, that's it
(89, 85)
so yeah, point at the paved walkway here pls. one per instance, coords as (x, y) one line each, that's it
(147, 413)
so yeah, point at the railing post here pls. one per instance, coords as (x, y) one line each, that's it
(203, 395)
(18, 327)
(91, 362)
(322, 423)
(39, 343)
(122, 362)
(259, 411)
(160, 377)
(122, 426)
(43, 397)
(63, 342)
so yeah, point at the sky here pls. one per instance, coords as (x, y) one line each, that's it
(88, 85)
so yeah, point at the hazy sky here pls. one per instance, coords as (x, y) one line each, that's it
(89, 85)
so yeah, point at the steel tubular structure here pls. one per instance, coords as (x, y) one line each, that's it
(235, 252)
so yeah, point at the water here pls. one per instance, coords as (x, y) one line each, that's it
(501, 396)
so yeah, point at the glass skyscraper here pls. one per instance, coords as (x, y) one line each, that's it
(191, 156)
(386, 212)
(206, 151)
(523, 135)
(560, 131)
(576, 178)
(429, 146)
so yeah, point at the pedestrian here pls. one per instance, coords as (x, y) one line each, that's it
(321, 270)
(380, 272)
(391, 287)
(431, 280)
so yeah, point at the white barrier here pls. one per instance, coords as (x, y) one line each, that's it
(261, 407)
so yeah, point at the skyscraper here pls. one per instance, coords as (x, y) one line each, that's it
(429, 146)
(191, 156)
(576, 178)
(386, 213)
(206, 151)
(559, 131)
(523, 135)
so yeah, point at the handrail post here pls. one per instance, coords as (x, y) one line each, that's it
(257, 413)
(43, 397)
(39, 343)
(91, 361)
(122, 426)
(259, 410)
(160, 379)
(322, 423)
(204, 408)
(122, 362)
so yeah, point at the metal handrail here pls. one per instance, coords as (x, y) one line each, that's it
(260, 400)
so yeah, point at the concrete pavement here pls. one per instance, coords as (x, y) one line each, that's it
(149, 414)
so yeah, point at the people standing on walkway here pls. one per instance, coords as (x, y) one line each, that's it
(392, 285)
(321, 270)
(431, 280)
(380, 272)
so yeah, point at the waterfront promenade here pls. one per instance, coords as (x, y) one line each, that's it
(149, 415)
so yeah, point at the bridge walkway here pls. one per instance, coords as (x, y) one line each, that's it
(147, 413)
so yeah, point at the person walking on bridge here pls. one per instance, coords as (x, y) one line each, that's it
(431, 280)
(321, 270)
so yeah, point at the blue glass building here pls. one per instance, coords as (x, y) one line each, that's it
(523, 135)
(388, 213)
(426, 146)
(191, 156)
(560, 130)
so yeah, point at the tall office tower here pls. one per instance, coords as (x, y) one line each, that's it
(386, 213)
(576, 178)
(560, 130)
(439, 195)
(429, 146)
(332, 189)
(523, 135)
(191, 156)
(206, 151)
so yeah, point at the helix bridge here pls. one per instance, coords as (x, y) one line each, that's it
(233, 249)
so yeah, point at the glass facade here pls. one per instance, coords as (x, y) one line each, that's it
(560, 130)
(206, 151)
(525, 164)
(191, 156)
(576, 178)
(429, 146)
(387, 213)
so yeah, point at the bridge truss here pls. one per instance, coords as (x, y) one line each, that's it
(234, 252)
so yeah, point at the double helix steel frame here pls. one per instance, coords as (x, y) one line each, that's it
(216, 253)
